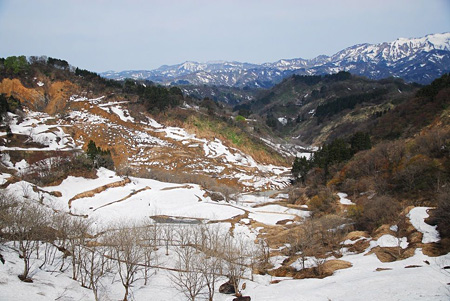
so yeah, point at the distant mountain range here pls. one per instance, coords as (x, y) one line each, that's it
(415, 60)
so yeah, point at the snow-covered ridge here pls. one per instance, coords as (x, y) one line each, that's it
(383, 59)
(393, 51)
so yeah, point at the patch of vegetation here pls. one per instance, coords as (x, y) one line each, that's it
(347, 102)
(15, 65)
(99, 156)
(232, 133)
(49, 168)
(410, 116)
(338, 151)
(154, 98)
(8, 104)
(437, 85)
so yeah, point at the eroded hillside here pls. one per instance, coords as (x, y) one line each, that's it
(137, 142)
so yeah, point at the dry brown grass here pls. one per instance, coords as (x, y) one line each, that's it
(354, 235)
(437, 249)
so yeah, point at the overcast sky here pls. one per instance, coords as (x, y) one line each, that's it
(101, 35)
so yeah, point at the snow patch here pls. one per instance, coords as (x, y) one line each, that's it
(343, 199)
(388, 241)
(417, 217)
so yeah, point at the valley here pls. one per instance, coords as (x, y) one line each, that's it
(125, 189)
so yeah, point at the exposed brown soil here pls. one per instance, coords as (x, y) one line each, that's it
(382, 269)
(392, 254)
(359, 247)
(51, 98)
(91, 193)
(437, 249)
(178, 187)
(125, 198)
(327, 269)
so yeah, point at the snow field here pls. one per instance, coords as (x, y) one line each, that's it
(395, 282)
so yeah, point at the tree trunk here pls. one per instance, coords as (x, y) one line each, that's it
(26, 268)
(125, 298)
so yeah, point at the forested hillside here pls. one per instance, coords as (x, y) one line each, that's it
(399, 159)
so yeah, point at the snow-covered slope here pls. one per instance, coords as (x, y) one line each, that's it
(110, 198)
(144, 145)
(413, 59)
(418, 277)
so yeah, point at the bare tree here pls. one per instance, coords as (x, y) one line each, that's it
(7, 202)
(168, 236)
(94, 266)
(149, 244)
(128, 254)
(77, 232)
(258, 254)
(234, 255)
(302, 240)
(27, 220)
(212, 263)
(61, 222)
(185, 235)
(210, 269)
(332, 230)
(188, 279)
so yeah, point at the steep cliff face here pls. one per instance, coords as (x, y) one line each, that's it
(46, 96)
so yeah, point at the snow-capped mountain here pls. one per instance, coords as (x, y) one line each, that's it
(415, 60)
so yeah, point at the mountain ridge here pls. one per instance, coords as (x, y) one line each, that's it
(375, 61)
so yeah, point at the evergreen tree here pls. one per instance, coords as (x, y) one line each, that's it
(300, 168)
(16, 64)
(3, 106)
(99, 157)
(92, 150)
(360, 141)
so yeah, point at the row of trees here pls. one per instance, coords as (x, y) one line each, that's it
(154, 98)
(14, 66)
(338, 105)
(127, 251)
(312, 80)
(17, 65)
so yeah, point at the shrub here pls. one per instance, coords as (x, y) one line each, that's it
(441, 215)
(322, 202)
(376, 212)
(240, 118)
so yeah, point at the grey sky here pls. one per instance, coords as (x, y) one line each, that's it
(102, 35)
